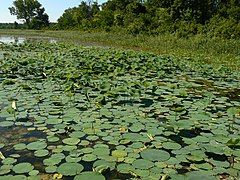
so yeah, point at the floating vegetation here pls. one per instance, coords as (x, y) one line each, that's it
(75, 112)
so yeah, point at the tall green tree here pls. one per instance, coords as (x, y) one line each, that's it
(30, 11)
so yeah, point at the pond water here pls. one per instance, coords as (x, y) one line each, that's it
(21, 39)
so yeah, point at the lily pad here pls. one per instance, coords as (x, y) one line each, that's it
(6, 123)
(70, 169)
(9, 161)
(37, 145)
(142, 164)
(41, 153)
(53, 121)
(171, 145)
(155, 155)
(89, 157)
(119, 153)
(71, 141)
(22, 168)
(89, 175)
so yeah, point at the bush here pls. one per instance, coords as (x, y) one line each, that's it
(186, 29)
(222, 27)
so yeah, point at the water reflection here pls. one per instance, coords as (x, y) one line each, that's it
(19, 40)
(12, 39)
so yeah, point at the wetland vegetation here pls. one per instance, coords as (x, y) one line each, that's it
(90, 112)
(127, 89)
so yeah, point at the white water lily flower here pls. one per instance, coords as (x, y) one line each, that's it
(14, 105)
(2, 156)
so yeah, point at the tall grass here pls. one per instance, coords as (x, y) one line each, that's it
(199, 48)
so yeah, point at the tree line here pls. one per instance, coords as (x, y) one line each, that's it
(182, 17)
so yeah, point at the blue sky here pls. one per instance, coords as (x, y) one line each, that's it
(54, 8)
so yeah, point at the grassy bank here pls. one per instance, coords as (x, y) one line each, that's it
(215, 51)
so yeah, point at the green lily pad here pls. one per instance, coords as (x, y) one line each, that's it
(51, 169)
(171, 145)
(33, 173)
(101, 151)
(5, 169)
(37, 145)
(53, 121)
(6, 123)
(155, 155)
(52, 161)
(77, 134)
(22, 168)
(9, 161)
(20, 146)
(125, 168)
(52, 139)
(1, 145)
(142, 164)
(70, 169)
(89, 157)
(73, 159)
(41, 153)
(89, 175)
(119, 153)
(102, 162)
(71, 141)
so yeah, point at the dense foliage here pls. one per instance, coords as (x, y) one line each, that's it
(32, 12)
(183, 17)
(14, 25)
(94, 113)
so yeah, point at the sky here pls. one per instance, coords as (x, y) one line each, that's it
(54, 8)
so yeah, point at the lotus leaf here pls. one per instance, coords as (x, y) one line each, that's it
(73, 159)
(41, 153)
(92, 138)
(6, 123)
(89, 175)
(89, 157)
(22, 168)
(53, 121)
(119, 153)
(69, 148)
(77, 134)
(84, 143)
(51, 169)
(125, 168)
(143, 173)
(199, 175)
(87, 150)
(101, 151)
(52, 161)
(9, 161)
(37, 145)
(142, 164)
(70, 169)
(71, 141)
(171, 145)
(52, 139)
(155, 155)
(15, 155)
(5, 169)
(33, 173)
(101, 162)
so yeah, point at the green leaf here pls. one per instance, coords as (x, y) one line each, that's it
(155, 155)
(70, 169)
(142, 164)
(89, 175)
(71, 141)
(22, 168)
